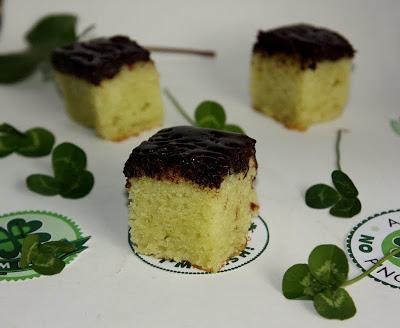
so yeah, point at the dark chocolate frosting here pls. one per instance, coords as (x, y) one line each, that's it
(203, 156)
(98, 59)
(307, 43)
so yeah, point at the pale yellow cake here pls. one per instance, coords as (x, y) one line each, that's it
(110, 85)
(300, 75)
(199, 212)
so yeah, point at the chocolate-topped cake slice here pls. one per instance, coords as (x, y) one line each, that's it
(300, 74)
(109, 84)
(192, 195)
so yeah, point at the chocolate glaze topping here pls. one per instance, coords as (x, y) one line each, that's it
(308, 43)
(98, 59)
(203, 156)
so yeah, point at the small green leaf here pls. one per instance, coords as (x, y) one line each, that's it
(299, 283)
(210, 108)
(346, 208)
(233, 128)
(78, 243)
(60, 247)
(68, 160)
(209, 122)
(29, 247)
(53, 31)
(335, 304)
(396, 126)
(343, 184)
(43, 184)
(17, 66)
(47, 265)
(321, 196)
(7, 129)
(79, 187)
(38, 142)
(329, 265)
(7, 145)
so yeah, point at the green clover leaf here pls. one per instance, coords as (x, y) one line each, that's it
(35, 142)
(48, 258)
(329, 265)
(208, 114)
(71, 179)
(335, 304)
(343, 184)
(346, 208)
(321, 196)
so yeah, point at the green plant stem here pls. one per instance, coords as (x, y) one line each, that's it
(338, 139)
(179, 107)
(371, 269)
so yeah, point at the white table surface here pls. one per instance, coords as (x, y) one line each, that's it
(107, 286)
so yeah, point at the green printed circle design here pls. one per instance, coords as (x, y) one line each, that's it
(390, 243)
(372, 239)
(15, 226)
(259, 240)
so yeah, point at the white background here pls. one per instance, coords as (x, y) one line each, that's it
(108, 286)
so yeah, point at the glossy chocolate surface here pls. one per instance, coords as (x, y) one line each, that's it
(307, 43)
(203, 156)
(98, 59)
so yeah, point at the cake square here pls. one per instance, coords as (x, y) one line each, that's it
(300, 74)
(192, 195)
(111, 85)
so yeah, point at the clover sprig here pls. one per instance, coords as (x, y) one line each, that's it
(35, 142)
(46, 34)
(343, 200)
(208, 114)
(48, 258)
(71, 179)
(323, 279)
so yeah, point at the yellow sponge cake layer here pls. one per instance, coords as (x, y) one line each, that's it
(120, 107)
(183, 221)
(300, 74)
(299, 97)
(111, 85)
(192, 195)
